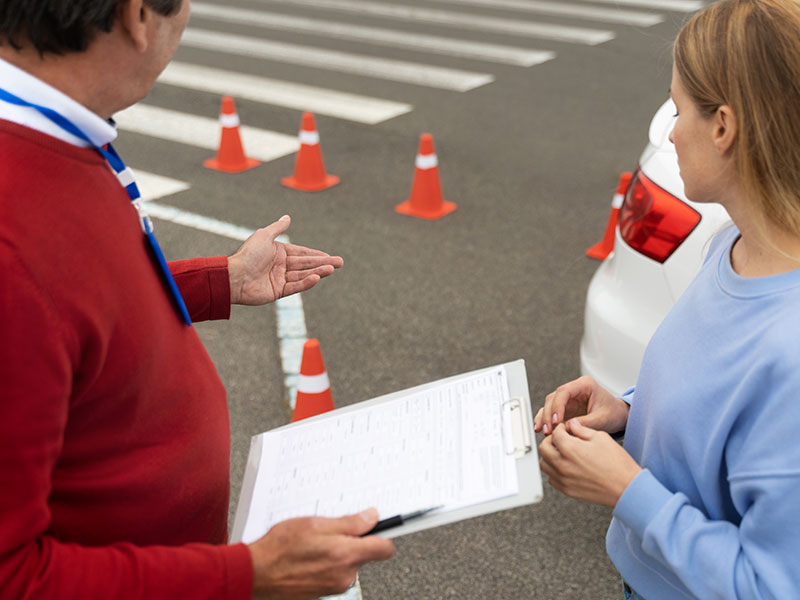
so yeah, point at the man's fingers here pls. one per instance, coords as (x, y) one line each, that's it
(355, 524)
(298, 263)
(294, 276)
(373, 547)
(295, 250)
(300, 286)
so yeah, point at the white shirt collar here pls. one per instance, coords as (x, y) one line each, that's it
(26, 86)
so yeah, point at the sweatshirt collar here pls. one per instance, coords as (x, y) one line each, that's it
(751, 287)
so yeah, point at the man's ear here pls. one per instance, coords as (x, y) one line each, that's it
(133, 16)
(725, 128)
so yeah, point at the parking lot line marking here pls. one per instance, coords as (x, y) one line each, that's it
(290, 316)
(199, 222)
(560, 33)
(511, 55)
(333, 60)
(562, 9)
(152, 186)
(353, 107)
(672, 5)
(202, 132)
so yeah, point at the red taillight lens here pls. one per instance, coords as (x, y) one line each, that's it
(653, 221)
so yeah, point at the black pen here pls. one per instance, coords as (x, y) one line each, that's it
(398, 520)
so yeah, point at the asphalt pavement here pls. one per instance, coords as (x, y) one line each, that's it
(532, 160)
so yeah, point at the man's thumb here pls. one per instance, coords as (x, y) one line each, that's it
(362, 522)
(278, 227)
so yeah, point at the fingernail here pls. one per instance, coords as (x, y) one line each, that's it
(555, 418)
(369, 515)
(546, 428)
(284, 217)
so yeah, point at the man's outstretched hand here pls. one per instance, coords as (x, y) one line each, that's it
(263, 270)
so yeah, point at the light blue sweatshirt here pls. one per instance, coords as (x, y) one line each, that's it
(715, 422)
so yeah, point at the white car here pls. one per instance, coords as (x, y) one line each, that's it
(660, 243)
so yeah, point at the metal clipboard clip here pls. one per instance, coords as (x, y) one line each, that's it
(516, 434)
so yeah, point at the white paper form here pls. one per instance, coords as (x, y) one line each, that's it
(440, 446)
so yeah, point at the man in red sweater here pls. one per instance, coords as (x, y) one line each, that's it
(114, 432)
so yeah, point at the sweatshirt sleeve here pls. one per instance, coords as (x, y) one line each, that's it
(37, 358)
(627, 396)
(205, 286)
(754, 559)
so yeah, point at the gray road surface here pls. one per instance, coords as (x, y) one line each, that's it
(532, 160)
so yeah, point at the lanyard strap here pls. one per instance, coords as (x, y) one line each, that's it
(123, 173)
(125, 178)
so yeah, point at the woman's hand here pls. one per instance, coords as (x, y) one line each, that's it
(583, 397)
(586, 464)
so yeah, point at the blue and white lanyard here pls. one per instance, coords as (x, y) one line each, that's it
(125, 178)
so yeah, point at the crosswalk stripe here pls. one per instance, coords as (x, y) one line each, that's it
(387, 37)
(673, 5)
(202, 132)
(357, 64)
(561, 33)
(353, 107)
(152, 186)
(561, 9)
(199, 222)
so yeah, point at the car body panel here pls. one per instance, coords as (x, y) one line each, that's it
(630, 294)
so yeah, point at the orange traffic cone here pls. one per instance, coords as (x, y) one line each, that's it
(313, 388)
(605, 246)
(230, 156)
(426, 199)
(309, 170)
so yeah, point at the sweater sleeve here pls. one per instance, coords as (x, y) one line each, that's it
(205, 286)
(755, 557)
(37, 358)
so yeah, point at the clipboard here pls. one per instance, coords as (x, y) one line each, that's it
(518, 440)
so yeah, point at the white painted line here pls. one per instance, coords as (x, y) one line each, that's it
(199, 222)
(361, 109)
(562, 9)
(344, 62)
(202, 132)
(511, 55)
(561, 33)
(290, 317)
(292, 333)
(152, 186)
(673, 5)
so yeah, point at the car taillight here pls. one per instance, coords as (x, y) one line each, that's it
(653, 221)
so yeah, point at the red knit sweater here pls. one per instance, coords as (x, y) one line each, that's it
(114, 432)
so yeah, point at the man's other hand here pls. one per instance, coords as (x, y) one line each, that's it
(311, 557)
(263, 270)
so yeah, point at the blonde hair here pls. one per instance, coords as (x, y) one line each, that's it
(746, 54)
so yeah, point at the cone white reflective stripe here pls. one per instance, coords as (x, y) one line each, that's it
(617, 200)
(229, 120)
(309, 138)
(313, 384)
(125, 177)
(426, 161)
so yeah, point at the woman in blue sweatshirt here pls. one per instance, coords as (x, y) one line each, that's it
(706, 490)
